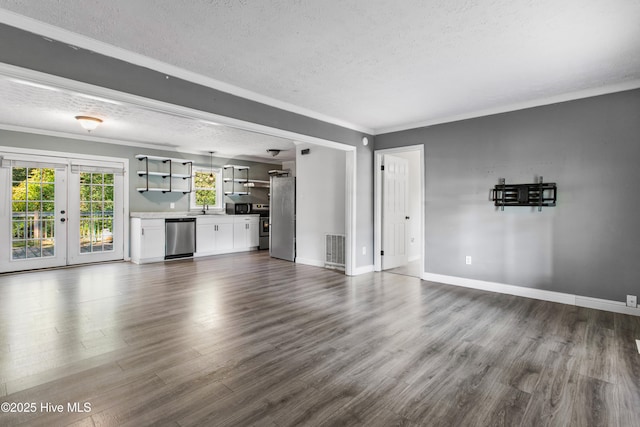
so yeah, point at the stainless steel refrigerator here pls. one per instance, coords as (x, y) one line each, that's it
(282, 214)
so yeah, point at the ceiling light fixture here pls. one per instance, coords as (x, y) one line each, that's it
(211, 176)
(273, 151)
(89, 123)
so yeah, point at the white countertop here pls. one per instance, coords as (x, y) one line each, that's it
(195, 214)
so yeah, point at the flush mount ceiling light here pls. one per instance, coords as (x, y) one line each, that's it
(273, 151)
(89, 123)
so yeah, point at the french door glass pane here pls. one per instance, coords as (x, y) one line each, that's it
(96, 212)
(32, 213)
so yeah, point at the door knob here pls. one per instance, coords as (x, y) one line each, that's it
(406, 217)
(63, 212)
(63, 219)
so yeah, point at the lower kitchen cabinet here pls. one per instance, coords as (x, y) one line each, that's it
(245, 232)
(223, 234)
(213, 234)
(147, 240)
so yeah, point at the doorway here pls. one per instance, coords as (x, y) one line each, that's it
(399, 210)
(60, 211)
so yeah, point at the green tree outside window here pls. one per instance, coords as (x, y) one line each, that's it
(205, 188)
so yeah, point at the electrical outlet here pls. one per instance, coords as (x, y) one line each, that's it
(172, 206)
(364, 250)
(632, 301)
(467, 260)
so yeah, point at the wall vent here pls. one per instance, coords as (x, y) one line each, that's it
(334, 251)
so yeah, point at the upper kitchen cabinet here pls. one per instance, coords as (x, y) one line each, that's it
(163, 174)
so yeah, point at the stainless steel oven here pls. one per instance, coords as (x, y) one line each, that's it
(263, 210)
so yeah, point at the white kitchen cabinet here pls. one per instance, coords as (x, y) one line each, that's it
(214, 234)
(205, 236)
(224, 235)
(245, 232)
(147, 240)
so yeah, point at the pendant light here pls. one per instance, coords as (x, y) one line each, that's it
(211, 176)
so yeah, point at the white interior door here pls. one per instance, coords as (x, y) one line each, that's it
(395, 191)
(33, 215)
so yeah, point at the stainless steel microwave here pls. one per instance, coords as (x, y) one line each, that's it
(238, 208)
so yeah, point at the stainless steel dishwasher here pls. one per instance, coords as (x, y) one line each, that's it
(180, 237)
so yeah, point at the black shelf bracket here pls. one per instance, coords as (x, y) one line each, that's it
(540, 194)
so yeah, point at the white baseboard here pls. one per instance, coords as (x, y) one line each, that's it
(307, 261)
(317, 263)
(223, 252)
(541, 294)
(363, 270)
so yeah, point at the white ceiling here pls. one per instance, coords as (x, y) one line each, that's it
(375, 65)
(53, 108)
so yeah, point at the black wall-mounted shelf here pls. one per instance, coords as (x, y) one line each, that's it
(541, 194)
(165, 169)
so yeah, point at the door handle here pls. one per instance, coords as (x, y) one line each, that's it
(63, 212)
(63, 219)
(406, 217)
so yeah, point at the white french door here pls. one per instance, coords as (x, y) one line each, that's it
(95, 221)
(55, 214)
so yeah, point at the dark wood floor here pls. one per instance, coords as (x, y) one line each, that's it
(245, 340)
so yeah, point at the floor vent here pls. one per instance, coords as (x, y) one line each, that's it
(334, 251)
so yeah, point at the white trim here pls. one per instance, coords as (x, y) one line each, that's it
(219, 188)
(571, 96)
(363, 270)
(211, 253)
(606, 305)
(350, 212)
(90, 157)
(377, 212)
(74, 39)
(87, 137)
(151, 105)
(540, 294)
(638, 344)
(377, 201)
(307, 261)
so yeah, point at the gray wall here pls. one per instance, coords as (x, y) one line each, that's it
(320, 203)
(139, 202)
(27, 50)
(587, 245)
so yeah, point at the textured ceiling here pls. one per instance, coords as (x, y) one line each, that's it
(49, 108)
(378, 64)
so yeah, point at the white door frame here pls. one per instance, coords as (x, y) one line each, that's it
(69, 158)
(377, 203)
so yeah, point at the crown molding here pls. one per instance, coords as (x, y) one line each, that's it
(52, 32)
(572, 96)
